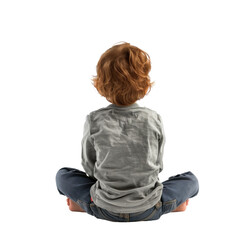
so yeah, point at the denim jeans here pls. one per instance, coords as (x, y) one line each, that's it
(76, 185)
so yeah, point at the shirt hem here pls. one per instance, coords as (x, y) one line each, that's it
(120, 209)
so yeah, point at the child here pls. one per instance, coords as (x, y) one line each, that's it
(122, 149)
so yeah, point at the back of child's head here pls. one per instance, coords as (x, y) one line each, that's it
(122, 74)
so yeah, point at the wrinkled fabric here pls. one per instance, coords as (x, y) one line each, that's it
(122, 149)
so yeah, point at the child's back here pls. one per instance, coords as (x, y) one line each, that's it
(128, 143)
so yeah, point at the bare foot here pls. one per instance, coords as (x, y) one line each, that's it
(73, 206)
(181, 207)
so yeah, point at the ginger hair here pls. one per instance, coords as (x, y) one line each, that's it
(122, 74)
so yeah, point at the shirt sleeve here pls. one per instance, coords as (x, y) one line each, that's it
(88, 151)
(161, 143)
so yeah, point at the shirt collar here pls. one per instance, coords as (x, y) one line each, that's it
(134, 105)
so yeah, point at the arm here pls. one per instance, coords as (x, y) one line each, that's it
(161, 143)
(88, 151)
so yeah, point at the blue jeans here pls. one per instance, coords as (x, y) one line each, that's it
(76, 185)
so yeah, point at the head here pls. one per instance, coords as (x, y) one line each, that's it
(122, 74)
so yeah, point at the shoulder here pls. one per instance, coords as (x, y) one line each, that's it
(154, 114)
(98, 112)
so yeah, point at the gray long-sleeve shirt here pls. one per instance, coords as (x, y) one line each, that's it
(122, 149)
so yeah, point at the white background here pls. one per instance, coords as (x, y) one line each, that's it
(48, 55)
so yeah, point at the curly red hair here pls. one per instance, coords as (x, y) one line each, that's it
(122, 74)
